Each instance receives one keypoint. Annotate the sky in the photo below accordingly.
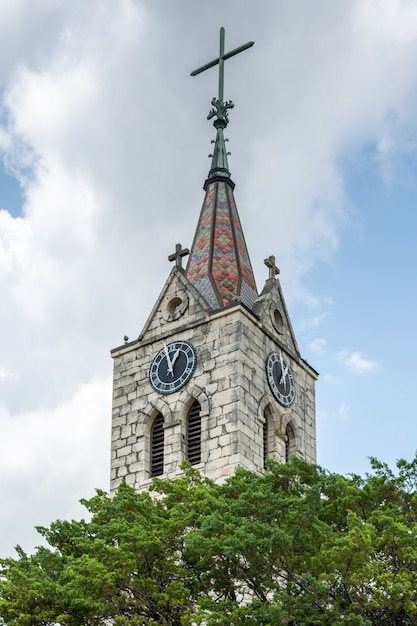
(104, 147)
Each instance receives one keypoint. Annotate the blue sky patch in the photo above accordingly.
(11, 197)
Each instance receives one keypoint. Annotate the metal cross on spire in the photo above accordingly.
(219, 104)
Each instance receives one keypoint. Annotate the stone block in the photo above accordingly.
(126, 431)
(124, 451)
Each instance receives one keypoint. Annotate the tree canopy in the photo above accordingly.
(296, 545)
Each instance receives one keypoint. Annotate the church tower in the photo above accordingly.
(215, 376)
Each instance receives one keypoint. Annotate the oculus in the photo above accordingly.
(277, 319)
(175, 306)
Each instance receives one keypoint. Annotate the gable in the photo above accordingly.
(178, 304)
(273, 313)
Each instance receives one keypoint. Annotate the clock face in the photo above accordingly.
(172, 367)
(280, 378)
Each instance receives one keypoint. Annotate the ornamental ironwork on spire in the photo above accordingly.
(219, 265)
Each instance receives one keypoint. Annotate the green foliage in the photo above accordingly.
(296, 545)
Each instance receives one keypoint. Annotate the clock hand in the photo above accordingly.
(169, 362)
(284, 376)
(284, 371)
(175, 357)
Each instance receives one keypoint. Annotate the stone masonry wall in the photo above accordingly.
(229, 382)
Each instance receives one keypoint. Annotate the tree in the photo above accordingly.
(296, 545)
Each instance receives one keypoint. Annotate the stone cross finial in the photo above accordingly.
(270, 263)
(178, 254)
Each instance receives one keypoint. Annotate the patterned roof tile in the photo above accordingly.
(219, 264)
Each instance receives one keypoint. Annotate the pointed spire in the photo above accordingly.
(219, 264)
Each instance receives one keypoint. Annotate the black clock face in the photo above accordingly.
(172, 367)
(280, 378)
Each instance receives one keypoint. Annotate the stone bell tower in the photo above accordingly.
(216, 376)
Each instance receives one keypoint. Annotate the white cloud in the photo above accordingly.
(342, 412)
(49, 459)
(337, 95)
(318, 319)
(106, 132)
(356, 362)
(318, 344)
(4, 374)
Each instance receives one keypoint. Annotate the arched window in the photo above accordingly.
(289, 442)
(265, 438)
(194, 434)
(157, 446)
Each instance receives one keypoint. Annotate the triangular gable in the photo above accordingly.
(273, 312)
(178, 303)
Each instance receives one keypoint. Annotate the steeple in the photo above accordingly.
(215, 377)
(219, 265)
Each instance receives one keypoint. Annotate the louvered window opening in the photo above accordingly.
(194, 434)
(265, 438)
(157, 446)
(289, 443)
